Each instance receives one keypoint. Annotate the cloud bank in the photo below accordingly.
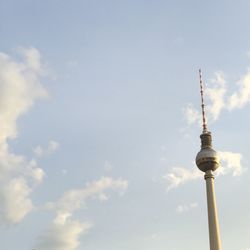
(19, 89)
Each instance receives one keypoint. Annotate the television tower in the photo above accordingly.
(207, 160)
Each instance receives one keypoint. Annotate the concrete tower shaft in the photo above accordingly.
(213, 222)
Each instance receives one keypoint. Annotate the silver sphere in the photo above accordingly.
(207, 159)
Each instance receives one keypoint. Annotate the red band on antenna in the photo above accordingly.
(204, 124)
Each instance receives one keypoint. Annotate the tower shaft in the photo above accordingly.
(213, 223)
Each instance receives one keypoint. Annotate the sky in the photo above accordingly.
(100, 123)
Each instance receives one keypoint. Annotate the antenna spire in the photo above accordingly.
(204, 123)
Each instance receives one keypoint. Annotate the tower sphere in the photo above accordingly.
(207, 159)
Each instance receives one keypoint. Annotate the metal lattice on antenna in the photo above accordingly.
(204, 123)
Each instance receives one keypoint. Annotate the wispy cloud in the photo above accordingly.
(178, 176)
(19, 89)
(231, 163)
(218, 98)
(242, 96)
(216, 95)
(44, 151)
(186, 207)
(74, 199)
(64, 232)
(192, 115)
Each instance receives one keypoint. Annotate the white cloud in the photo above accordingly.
(191, 114)
(231, 163)
(241, 97)
(218, 99)
(34, 172)
(32, 59)
(64, 233)
(18, 179)
(44, 151)
(19, 89)
(216, 95)
(186, 207)
(178, 176)
(74, 199)
(15, 200)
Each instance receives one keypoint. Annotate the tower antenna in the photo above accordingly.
(204, 123)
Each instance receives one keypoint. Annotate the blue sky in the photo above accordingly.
(100, 121)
